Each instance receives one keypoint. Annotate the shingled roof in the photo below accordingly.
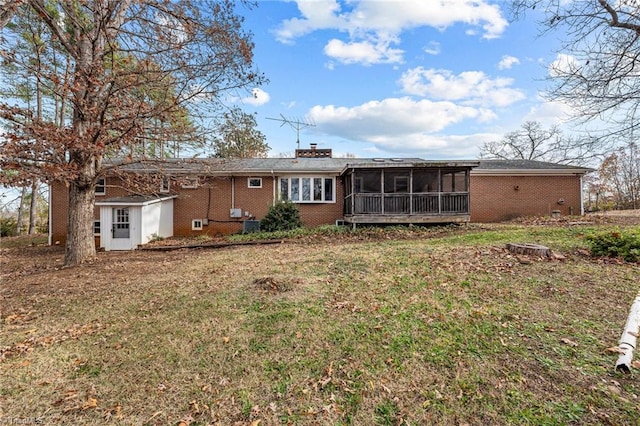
(527, 167)
(249, 166)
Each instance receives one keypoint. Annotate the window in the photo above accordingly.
(316, 189)
(96, 228)
(101, 186)
(120, 227)
(254, 182)
(165, 184)
(196, 224)
(401, 184)
(396, 181)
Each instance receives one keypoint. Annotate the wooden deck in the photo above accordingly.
(407, 208)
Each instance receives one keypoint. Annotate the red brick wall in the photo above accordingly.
(213, 200)
(495, 198)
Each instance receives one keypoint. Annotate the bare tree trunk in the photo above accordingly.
(33, 208)
(80, 245)
(20, 220)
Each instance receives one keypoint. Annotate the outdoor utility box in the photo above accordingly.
(250, 226)
(235, 212)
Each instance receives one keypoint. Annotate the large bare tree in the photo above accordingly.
(132, 62)
(535, 142)
(598, 73)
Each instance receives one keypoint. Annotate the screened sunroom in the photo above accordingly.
(406, 191)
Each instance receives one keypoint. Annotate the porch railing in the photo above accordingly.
(433, 203)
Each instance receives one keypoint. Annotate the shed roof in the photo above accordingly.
(133, 200)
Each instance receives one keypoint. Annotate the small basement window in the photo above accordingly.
(254, 182)
(101, 186)
(96, 228)
(196, 224)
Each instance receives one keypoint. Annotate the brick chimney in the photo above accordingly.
(313, 152)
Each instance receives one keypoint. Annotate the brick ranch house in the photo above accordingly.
(223, 196)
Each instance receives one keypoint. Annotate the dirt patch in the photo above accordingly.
(272, 285)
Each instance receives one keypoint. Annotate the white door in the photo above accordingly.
(120, 229)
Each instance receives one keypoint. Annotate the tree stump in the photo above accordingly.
(529, 249)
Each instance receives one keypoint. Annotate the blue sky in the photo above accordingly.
(397, 78)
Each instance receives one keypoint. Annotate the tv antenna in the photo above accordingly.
(295, 123)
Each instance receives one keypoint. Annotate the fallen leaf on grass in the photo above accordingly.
(635, 364)
(256, 422)
(90, 403)
(568, 342)
(615, 350)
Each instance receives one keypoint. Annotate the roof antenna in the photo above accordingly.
(295, 123)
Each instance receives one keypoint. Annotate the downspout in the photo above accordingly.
(233, 192)
(50, 237)
(581, 196)
(274, 182)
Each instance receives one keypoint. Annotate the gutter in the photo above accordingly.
(530, 172)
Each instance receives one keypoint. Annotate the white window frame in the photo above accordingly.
(311, 178)
(102, 184)
(98, 225)
(165, 184)
(249, 185)
(396, 184)
(196, 224)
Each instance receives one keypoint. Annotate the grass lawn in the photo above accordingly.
(440, 326)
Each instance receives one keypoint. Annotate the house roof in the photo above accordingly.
(526, 167)
(261, 166)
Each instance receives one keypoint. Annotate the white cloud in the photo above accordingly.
(399, 124)
(365, 52)
(258, 97)
(549, 113)
(433, 48)
(563, 64)
(507, 62)
(469, 87)
(379, 23)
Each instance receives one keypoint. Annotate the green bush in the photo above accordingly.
(616, 243)
(7, 226)
(281, 217)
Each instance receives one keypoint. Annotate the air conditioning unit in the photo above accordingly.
(235, 213)
(250, 226)
(341, 222)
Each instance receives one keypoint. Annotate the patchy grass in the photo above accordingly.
(442, 327)
(24, 241)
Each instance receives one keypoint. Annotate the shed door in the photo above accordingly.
(120, 227)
